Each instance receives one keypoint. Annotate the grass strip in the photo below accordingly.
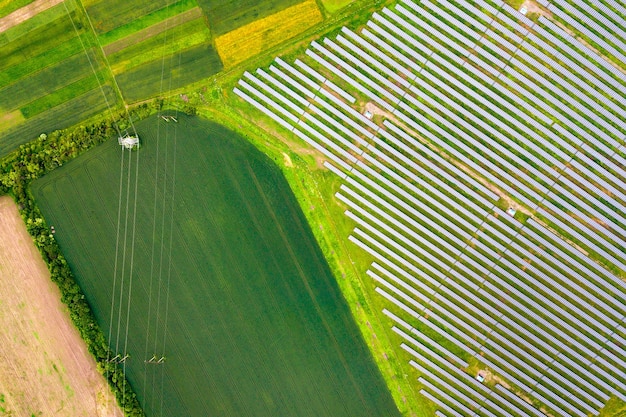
(64, 115)
(62, 95)
(154, 30)
(37, 42)
(36, 21)
(146, 21)
(111, 14)
(181, 37)
(46, 81)
(38, 63)
(9, 6)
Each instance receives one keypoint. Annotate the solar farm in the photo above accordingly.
(482, 158)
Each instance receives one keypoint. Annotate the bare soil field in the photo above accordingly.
(45, 368)
(25, 13)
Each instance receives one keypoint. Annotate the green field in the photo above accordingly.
(178, 70)
(257, 325)
(146, 21)
(159, 49)
(162, 45)
(107, 15)
(227, 15)
(65, 115)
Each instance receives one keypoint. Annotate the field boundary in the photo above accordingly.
(306, 180)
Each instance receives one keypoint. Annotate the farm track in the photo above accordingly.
(25, 13)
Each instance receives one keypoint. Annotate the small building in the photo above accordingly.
(511, 211)
(368, 114)
(128, 141)
(523, 10)
(480, 377)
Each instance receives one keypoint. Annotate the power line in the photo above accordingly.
(132, 259)
(169, 269)
(156, 182)
(108, 105)
(108, 65)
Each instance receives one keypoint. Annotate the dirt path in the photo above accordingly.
(45, 368)
(25, 13)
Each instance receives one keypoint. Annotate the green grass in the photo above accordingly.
(62, 95)
(332, 6)
(257, 324)
(188, 34)
(146, 21)
(179, 69)
(40, 19)
(153, 30)
(614, 408)
(37, 42)
(107, 15)
(46, 81)
(227, 15)
(44, 60)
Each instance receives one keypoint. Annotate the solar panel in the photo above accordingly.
(391, 68)
(393, 52)
(527, 407)
(269, 78)
(263, 109)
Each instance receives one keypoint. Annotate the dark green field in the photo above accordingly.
(178, 70)
(256, 325)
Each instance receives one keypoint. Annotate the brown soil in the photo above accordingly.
(10, 119)
(374, 109)
(25, 13)
(287, 160)
(45, 368)
(532, 7)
